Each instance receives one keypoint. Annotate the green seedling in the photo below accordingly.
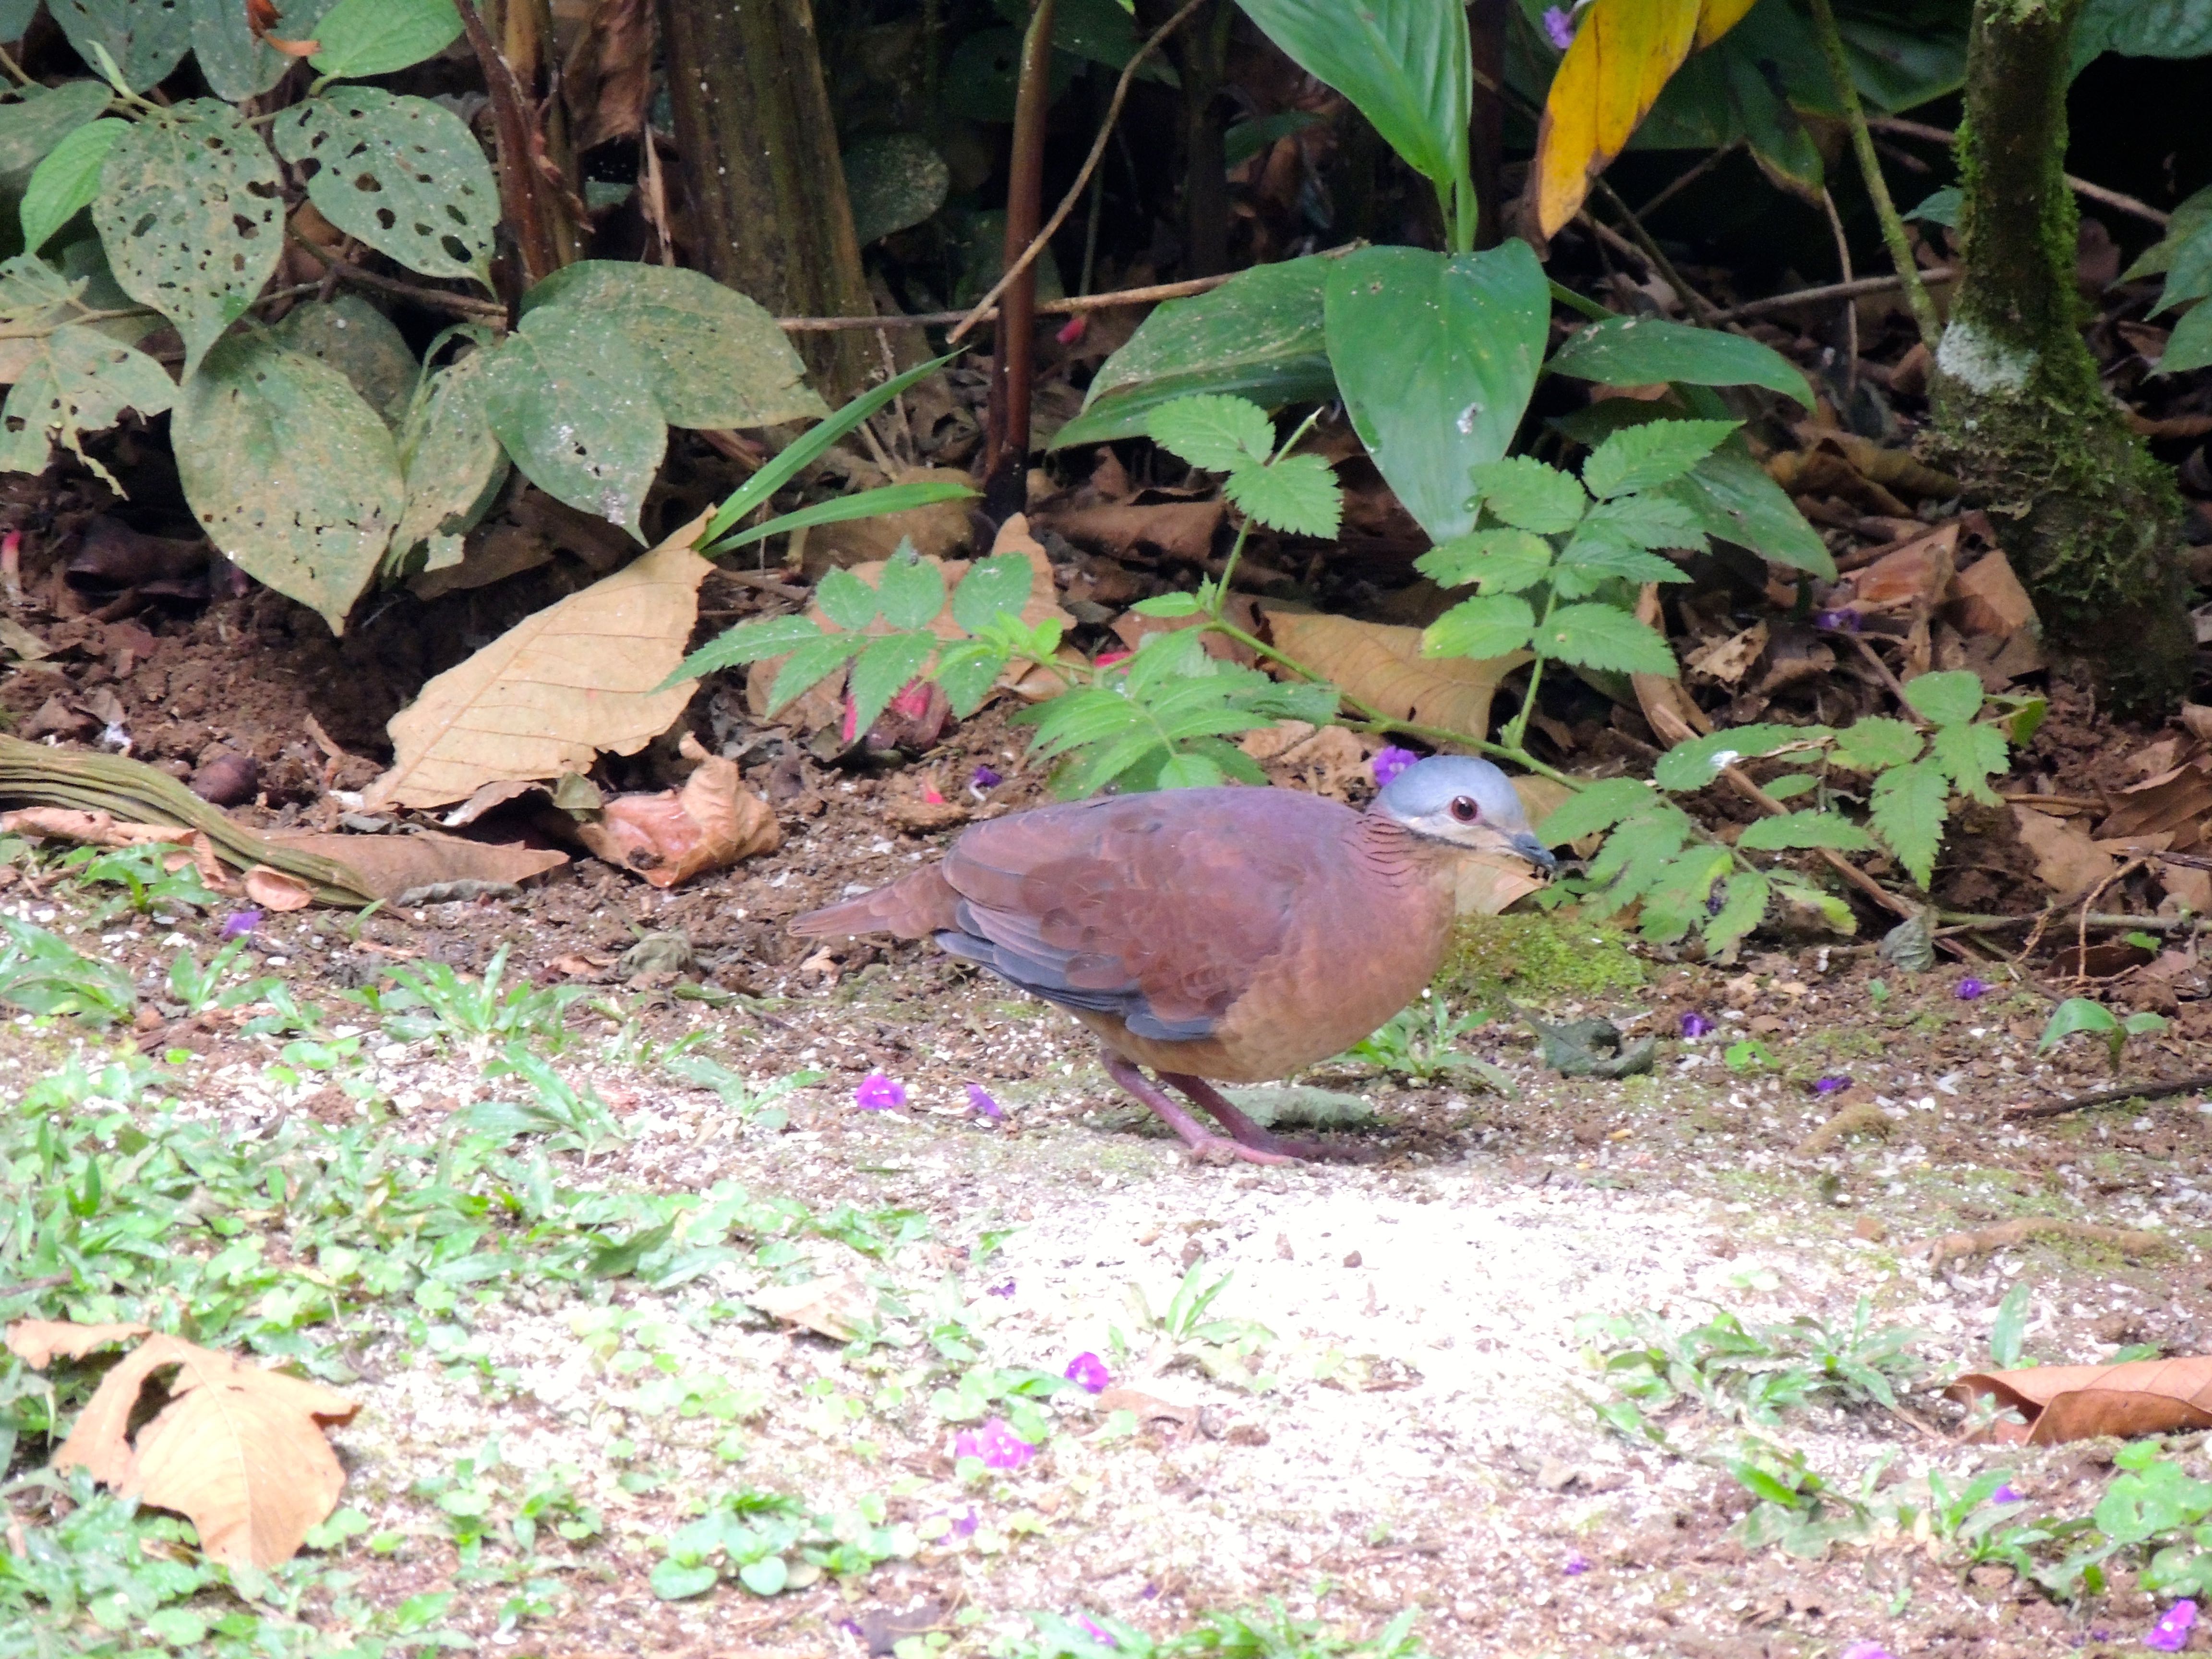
(2078, 1014)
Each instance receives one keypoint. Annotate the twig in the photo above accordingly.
(1740, 782)
(2007, 1235)
(1889, 679)
(1689, 179)
(459, 305)
(15, 69)
(1700, 306)
(2111, 198)
(1807, 296)
(519, 146)
(1038, 243)
(51, 1282)
(2167, 1091)
(1118, 297)
(1850, 312)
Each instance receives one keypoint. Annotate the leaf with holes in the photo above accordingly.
(359, 341)
(40, 119)
(237, 64)
(572, 401)
(1907, 808)
(78, 381)
(715, 358)
(67, 179)
(375, 37)
(191, 211)
(290, 473)
(452, 463)
(403, 174)
(146, 38)
(1604, 636)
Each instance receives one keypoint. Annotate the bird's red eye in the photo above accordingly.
(1464, 808)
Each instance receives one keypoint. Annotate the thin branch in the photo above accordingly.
(1119, 297)
(1851, 311)
(1807, 296)
(2180, 1086)
(1648, 250)
(1688, 179)
(1038, 243)
(2111, 198)
(460, 305)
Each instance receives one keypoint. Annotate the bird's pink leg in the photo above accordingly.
(1204, 1144)
(1248, 1132)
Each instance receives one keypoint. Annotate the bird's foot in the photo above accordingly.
(1273, 1148)
(1205, 1147)
(1220, 1149)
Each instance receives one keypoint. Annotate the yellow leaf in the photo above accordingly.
(1612, 75)
(1717, 17)
(1383, 667)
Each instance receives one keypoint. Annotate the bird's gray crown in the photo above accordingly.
(1427, 788)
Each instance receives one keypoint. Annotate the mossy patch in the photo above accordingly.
(1540, 958)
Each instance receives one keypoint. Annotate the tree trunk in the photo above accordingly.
(762, 171)
(2090, 519)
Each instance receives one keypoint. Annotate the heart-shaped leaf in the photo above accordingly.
(403, 174)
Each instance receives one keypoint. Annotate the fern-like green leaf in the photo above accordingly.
(1648, 456)
(1295, 496)
(1529, 495)
(1696, 761)
(1875, 743)
(748, 642)
(1971, 755)
(1217, 432)
(884, 670)
(1499, 559)
(1907, 808)
(1591, 560)
(811, 664)
(1603, 805)
(1604, 636)
(1488, 627)
(1798, 830)
(1681, 893)
(1949, 698)
(1743, 910)
(912, 589)
(847, 600)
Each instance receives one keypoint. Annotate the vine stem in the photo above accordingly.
(1892, 226)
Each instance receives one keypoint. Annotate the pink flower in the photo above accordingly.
(1865, 1651)
(1089, 1371)
(879, 1093)
(1112, 656)
(1072, 331)
(997, 1445)
(2171, 1634)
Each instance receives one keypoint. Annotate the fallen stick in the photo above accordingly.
(2180, 1086)
(1983, 1240)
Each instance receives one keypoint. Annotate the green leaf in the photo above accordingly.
(1603, 636)
(572, 402)
(360, 342)
(894, 182)
(809, 663)
(2073, 1015)
(1213, 432)
(1642, 350)
(997, 587)
(191, 211)
(451, 462)
(748, 642)
(1696, 761)
(679, 1580)
(1501, 561)
(1295, 495)
(1529, 495)
(1971, 755)
(1646, 456)
(39, 118)
(966, 672)
(2010, 1326)
(1950, 698)
(1652, 521)
(76, 381)
(1190, 772)
(1637, 853)
(1833, 911)
(361, 38)
(716, 358)
(1591, 560)
(912, 589)
(1405, 65)
(1941, 206)
(1260, 334)
(67, 180)
(237, 65)
(883, 500)
(1168, 605)
(146, 39)
(1600, 806)
(1483, 628)
(1679, 894)
(1875, 743)
(1907, 808)
(766, 1577)
(1435, 358)
(884, 670)
(1742, 910)
(1796, 829)
(847, 600)
(403, 174)
(2190, 345)
(290, 472)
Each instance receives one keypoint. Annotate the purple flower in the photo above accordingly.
(984, 777)
(1096, 1632)
(1837, 621)
(1575, 1566)
(1967, 989)
(2171, 1634)
(1865, 1651)
(999, 1446)
(241, 924)
(879, 1093)
(966, 1525)
(1695, 1025)
(1390, 760)
(1559, 26)
(1828, 1085)
(2006, 1494)
(1006, 1289)
(980, 1098)
(1089, 1371)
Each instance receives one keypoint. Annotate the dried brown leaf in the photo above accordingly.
(2080, 1402)
(1987, 598)
(37, 1342)
(672, 835)
(2066, 861)
(1180, 530)
(273, 889)
(1727, 660)
(837, 1307)
(1382, 666)
(88, 829)
(937, 531)
(389, 865)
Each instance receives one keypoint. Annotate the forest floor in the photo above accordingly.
(554, 1312)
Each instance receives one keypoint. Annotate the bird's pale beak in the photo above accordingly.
(1535, 851)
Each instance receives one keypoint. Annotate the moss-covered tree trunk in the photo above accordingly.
(2090, 519)
(762, 171)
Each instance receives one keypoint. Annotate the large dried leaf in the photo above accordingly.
(191, 211)
(290, 473)
(557, 688)
(2080, 1402)
(76, 381)
(389, 865)
(1383, 667)
(672, 835)
(572, 401)
(838, 1307)
(403, 174)
(239, 1451)
(39, 1342)
(2066, 860)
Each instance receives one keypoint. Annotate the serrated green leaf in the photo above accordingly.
(847, 600)
(361, 38)
(1213, 432)
(1950, 698)
(1649, 456)
(1971, 755)
(1649, 521)
(912, 589)
(1635, 853)
(1799, 830)
(1642, 350)
(403, 174)
(748, 642)
(1189, 771)
(1680, 893)
(1589, 561)
(1743, 910)
(997, 587)
(1789, 788)
(1481, 628)
(572, 403)
(812, 663)
(1876, 742)
(1528, 496)
(884, 669)
(1169, 604)
(76, 381)
(1295, 496)
(1600, 806)
(966, 672)
(1833, 910)
(191, 211)
(1696, 761)
(1907, 808)
(1603, 636)
(67, 179)
(39, 118)
(1498, 560)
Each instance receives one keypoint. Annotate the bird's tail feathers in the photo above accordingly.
(918, 903)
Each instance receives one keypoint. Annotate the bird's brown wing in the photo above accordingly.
(1159, 909)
